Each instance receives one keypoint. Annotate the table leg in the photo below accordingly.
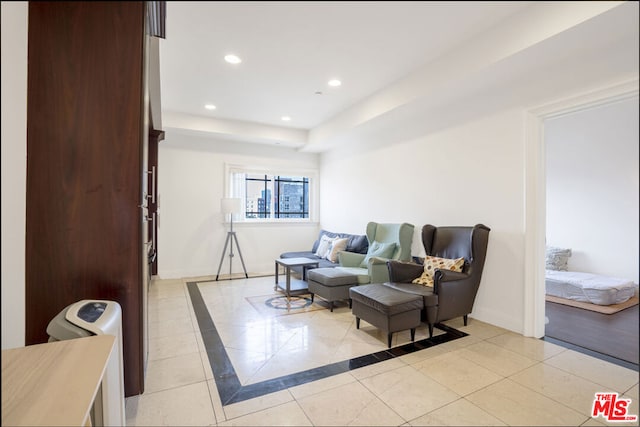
(306, 268)
(288, 273)
(275, 288)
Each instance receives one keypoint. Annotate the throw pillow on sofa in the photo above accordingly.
(324, 246)
(431, 263)
(337, 245)
(377, 249)
(357, 243)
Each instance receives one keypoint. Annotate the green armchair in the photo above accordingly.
(386, 242)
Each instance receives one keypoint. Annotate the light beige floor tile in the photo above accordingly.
(532, 348)
(163, 314)
(167, 328)
(236, 314)
(257, 404)
(174, 372)
(263, 338)
(377, 368)
(612, 377)
(517, 405)
(559, 385)
(459, 374)
(499, 360)
(206, 364)
(200, 342)
(459, 413)
(461, 343)
(409, 392)
(320, 327)
(283, 364)
(215, 401)
(476, 328)
(368, 334)
(182, 406)
(167, 290)
(171, 346)
(288, 414)
(296, 321)
(319, 386)
(341, 314)
(591, 422)
(300, 345)
(247, 363)
(350, 348)
(167, 303)
(404, 337)
(350, 404)
(230, 331)
(424, 355)
(633, 392)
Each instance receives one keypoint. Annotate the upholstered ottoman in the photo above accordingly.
(331, 284)
(386, 308)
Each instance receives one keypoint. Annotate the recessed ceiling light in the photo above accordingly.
(334, 82)
(232, 59)
(210, 107)
(286, 118)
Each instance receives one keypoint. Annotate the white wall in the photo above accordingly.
(14, 167)
(466, 174)
(192, 234)
(592, 188)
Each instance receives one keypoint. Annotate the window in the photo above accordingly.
(273, 196)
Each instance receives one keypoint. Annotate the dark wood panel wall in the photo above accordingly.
(84, 166)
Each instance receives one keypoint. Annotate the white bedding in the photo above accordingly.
(587, 287)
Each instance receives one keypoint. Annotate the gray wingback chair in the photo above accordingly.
(453, 293)
(372, 267)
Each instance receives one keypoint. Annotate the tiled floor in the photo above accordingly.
(490, 377)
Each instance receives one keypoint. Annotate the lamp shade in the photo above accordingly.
(231, 205)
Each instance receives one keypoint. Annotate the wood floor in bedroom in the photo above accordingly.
(614, 335)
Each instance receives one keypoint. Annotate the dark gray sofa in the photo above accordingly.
(357, 243)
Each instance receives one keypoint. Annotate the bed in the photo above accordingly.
(587, 287)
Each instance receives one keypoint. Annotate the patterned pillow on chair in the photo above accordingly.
(431, 263)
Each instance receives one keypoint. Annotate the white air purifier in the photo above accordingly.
(97, 317)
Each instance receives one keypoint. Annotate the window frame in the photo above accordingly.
(311, 174)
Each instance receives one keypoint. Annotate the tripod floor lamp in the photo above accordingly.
(231, 206)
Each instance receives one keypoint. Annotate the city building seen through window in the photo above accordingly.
(276, 196)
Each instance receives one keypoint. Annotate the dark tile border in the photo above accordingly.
(228, 384)
(597, 355)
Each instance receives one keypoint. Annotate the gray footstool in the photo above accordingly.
(386, 308)
(331, 284)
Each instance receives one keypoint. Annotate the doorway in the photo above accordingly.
(591, 173)
(535, 193)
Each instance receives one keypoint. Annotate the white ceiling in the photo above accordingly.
(291, 49)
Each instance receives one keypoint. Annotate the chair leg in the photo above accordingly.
(430, 330)
(350, 303)
(312, 298)
(465, 319)
(413, 334)
(357, 323)
(331, 305)
(389, 335)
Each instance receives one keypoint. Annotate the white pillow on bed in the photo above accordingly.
(557, 258)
